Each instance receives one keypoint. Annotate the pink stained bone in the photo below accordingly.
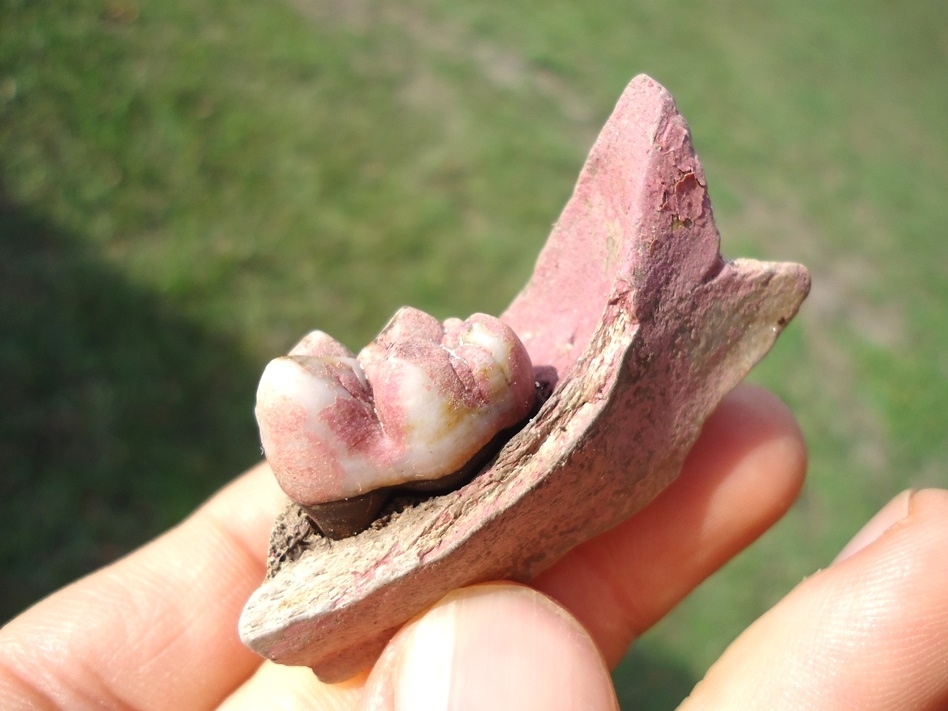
(417, 403)
(639, 227)
(646, 327)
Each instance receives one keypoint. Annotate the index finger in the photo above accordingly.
(156, 629)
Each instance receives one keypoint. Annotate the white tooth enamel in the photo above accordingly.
(480, 336)
(437, 432)
(320, 343)
(500, 374)
(301, 403)
(311, 387)
(424, 422)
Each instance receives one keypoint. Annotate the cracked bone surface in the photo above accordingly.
(645, 327)
(414, 405)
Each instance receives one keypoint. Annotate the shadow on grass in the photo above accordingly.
(648, 681)
(118, 415)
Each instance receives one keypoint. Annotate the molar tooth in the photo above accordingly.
(416, 404)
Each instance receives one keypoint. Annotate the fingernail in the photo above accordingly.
(893, 512)
(497, 646)
(424, 678)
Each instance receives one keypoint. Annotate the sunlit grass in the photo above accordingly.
(188, 187)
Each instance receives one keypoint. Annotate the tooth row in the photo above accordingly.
(414, 405)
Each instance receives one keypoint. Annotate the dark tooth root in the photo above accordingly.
(545, 380)
(341, 519)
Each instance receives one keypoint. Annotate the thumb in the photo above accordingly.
(869, 632)
(494, 646)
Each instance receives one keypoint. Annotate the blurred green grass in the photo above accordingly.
(185, 188)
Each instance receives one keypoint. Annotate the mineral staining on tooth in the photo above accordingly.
(414, 405)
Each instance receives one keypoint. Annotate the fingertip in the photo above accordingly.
(488, 647)
(753, 414)
(274, 686)
(752, 432)
(893, 512)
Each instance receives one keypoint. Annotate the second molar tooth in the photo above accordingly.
(416, 404)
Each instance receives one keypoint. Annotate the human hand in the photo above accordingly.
(158, 629)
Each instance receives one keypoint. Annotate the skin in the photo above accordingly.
(157, 629)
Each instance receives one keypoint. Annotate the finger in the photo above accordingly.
(494, 646)
(274, 686)
(157, 629)
(869, 632)
(742, 475)
(891, 513)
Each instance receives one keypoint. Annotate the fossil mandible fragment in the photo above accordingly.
(641, 325)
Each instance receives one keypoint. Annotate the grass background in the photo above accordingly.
(187, 187)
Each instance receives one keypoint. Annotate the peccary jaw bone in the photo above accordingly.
(646, 328)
